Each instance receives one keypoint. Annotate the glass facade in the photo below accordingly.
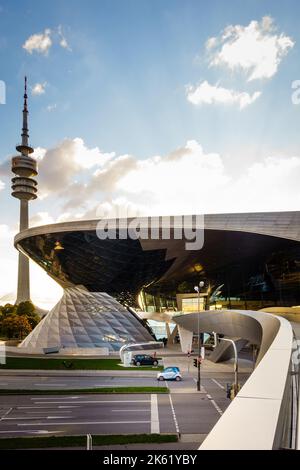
(255, 270)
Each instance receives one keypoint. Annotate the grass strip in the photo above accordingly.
(48, 363)
(99, 390)
(80, 441)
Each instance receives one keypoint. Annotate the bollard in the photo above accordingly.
(89, 442)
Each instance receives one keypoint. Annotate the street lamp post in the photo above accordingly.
(197, 289)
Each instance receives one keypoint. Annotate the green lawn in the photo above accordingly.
(86, 391)
(80, 441)
(48, 363)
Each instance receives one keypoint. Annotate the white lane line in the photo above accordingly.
(174, 414)
(67, 406)
(54, 398)
(218, 383)
(154, 415)
(135, 409)
(81, 423)
(214, 404)
(50, 385)
(36, 417)
(52, 409)
(95, 401)
(40, 431)
(45, 407)
(5, 414)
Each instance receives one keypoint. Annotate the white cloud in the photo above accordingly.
(211, 43)
(206, 93)
(2, 185)
(41, 218)
(39, 88)
(257, 48)
(51, 107)
(87, 158)
(193, 181)
(42, 42)
(62, 40)
(58, 166)
(184, 181)
(39, 43)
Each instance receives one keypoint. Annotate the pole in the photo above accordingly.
(199, 346)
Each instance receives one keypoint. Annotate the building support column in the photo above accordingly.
(186, 339)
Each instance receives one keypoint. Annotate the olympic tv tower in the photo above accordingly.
(24, 187)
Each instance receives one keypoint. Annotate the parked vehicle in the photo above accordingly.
(144, 360)
(170, 373)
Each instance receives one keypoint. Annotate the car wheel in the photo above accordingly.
(161, 378)
(178, 379)
(155, 363)
(138, 363)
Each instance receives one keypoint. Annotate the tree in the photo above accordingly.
(28, 310)
(16, 326)
(8, 309)
(25, 308)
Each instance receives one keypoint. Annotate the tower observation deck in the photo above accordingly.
(24, 188)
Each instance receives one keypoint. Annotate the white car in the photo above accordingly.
(170, 373)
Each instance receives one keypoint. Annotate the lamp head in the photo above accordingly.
(196, 288)
(201, 284)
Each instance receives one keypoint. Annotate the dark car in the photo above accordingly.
(144, 360)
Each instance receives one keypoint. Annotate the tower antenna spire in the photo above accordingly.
(25, 132)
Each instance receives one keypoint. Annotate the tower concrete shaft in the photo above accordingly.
(24, 188)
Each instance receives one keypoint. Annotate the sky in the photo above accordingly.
(149, 106)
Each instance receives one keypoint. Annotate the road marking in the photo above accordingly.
(174, 414)
(40, 431)
(45, 407)
(54, 409)
(95, 401)
(50, 385)
(81, 423)
(54, 398)
(37, 417)
(67, 406)
(214, 404)
(5, 414)
(218, 383)
(135, 409)
(154, 415)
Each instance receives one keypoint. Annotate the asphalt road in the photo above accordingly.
(44, 382)
(183, 410)
(217, 383)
